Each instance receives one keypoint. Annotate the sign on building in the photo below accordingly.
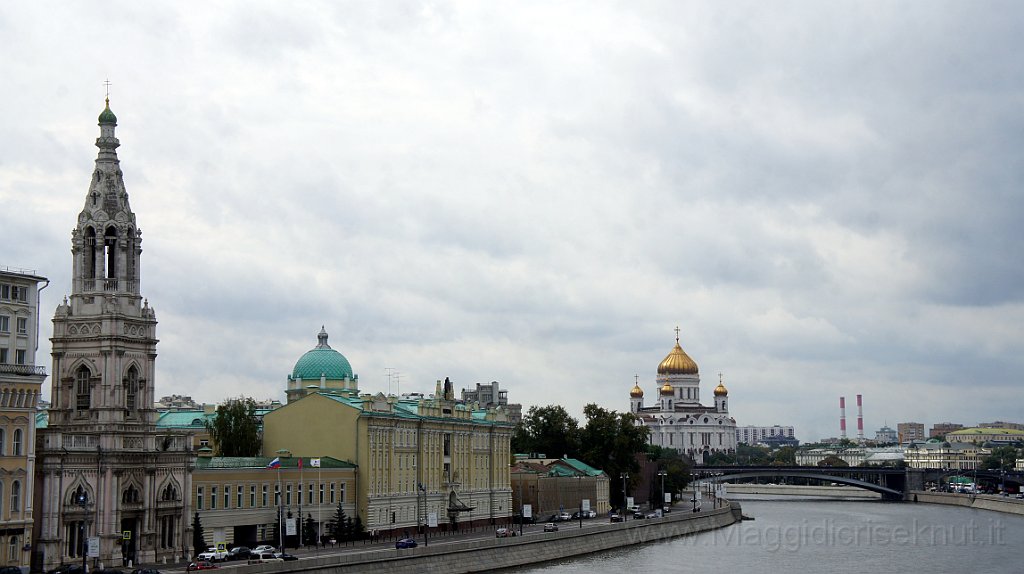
(585, 505)
(527, 511)
(432, 520)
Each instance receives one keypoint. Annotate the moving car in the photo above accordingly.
(263, 548)
(405, 543)
(504, 532)
(550, 527)
(615, 518)
(270, 556)
(200, 565)
(564, 516)
(285, 557)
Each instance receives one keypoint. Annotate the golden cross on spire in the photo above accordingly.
(636, 380)
(719, 378)
(106, 83)
(677, 333)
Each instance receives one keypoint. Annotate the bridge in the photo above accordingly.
(891, 483)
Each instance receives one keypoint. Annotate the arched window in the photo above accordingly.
(82, 377)
(169, 493)
(130, 494)
(16, 443)
(131, 387)
(15, 496)
(3, 442)
(13, 552)
(79, 496)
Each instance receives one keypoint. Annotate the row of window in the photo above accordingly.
(20, 356)
(10, 292)
(22, 324)
(83, 376)
(327, 493)
(17, 438)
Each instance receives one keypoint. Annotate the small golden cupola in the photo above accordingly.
(636, 392)
(677, 362)
(667, 389)
(721, 391)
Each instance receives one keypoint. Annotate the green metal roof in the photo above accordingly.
(107, 116)
(235, 462)
(322, 361)
(582, 467)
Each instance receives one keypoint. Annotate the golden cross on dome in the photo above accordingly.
(719, 378)
(677, 333)
(106, 83)
(636, 380)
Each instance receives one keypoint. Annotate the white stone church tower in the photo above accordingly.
(104, 470)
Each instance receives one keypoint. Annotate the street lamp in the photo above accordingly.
(579, 493)
(426, 525)
(662, 474)
(82, 500)
(625, 478)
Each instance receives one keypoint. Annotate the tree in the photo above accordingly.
(676, 468)
(235, 429)
(547, 430)
(610, 441)
(785, 456)
(309, 533)
(198, 542)
(336, 526)
(833, 460)
(1001, 458)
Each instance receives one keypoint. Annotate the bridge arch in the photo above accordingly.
(885, 491)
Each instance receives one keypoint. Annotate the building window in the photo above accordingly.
(288, 494)
(82, 388)
(23, 325)
(19, 293)
(213, 498)
(252, 496)
(199, 498)
(16, 442)
(264, 496)
(321, 493)
(5, 291)
(332, 493)
(131, 387)
(20, 357)
(15, 496)
(227, 497)
(13, 552)
(309, 498)
(238, 496)
(5, 324)
(3, 355)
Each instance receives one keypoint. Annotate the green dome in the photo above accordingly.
(322, 361)
(107, 116)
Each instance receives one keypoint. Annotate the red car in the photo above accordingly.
(201, 565)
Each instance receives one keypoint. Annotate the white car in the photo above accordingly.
(213, 555)
(564, 516)
(263, 548)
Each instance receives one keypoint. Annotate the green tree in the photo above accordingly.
(235, 429)
(785, 456)
(336, 526)
(676, 469)
(198, 542)
(548, 430)
(309, 533)
(610, 441)
(1001, 458)
(833, 460)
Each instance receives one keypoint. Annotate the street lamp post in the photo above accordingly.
(82, 500)
(625, 479)
(662, 474)
(579, 493)
(426, 523)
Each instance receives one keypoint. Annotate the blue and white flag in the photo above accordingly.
(276, 463)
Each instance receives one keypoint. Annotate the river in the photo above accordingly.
(838, 537)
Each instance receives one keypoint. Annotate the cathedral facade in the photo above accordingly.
(677, 419)
(110, 486)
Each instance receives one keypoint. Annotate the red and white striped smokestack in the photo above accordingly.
(842, 417)
(860, 420)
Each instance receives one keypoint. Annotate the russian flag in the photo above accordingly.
(276, 463)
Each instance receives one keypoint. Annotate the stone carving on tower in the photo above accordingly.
(106, 468)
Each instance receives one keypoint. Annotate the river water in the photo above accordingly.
(838, 537)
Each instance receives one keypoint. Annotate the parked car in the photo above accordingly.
(504, 532)
(286, 557)
(74, 568)
(653, 515)
(552, 518)
(550, 527)
(263, 548)
(200, 565)
(564, 516)
(519, 519)
(269, 556)
(107, 571)
(212, 554)
(10, 570)
(145, 571)
(405, 543)
(615, 517)
(239, 553)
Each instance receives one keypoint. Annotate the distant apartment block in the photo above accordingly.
(940, 430)
(910, 432)
(886, 435)
(489, 395)
(755, 434)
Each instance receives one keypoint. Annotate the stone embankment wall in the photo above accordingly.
(980, 501)
(796, 490)
(490, 554)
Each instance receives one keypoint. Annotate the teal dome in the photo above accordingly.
(107, 116)
(322, 361)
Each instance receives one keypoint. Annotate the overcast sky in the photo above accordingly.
(824, 197)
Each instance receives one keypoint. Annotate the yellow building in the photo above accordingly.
(240, 500)
(415, 456)
(20, 384)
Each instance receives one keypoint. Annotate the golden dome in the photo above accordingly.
(677, 362)
(667, 389)
(721, 391)
(636, 392)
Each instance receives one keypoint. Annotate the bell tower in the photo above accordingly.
(108, 473)
(104, 334)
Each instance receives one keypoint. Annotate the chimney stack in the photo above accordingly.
(842, 417)
(860, 421)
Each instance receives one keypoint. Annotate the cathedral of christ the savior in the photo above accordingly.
(110, 485)
(678, 420)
